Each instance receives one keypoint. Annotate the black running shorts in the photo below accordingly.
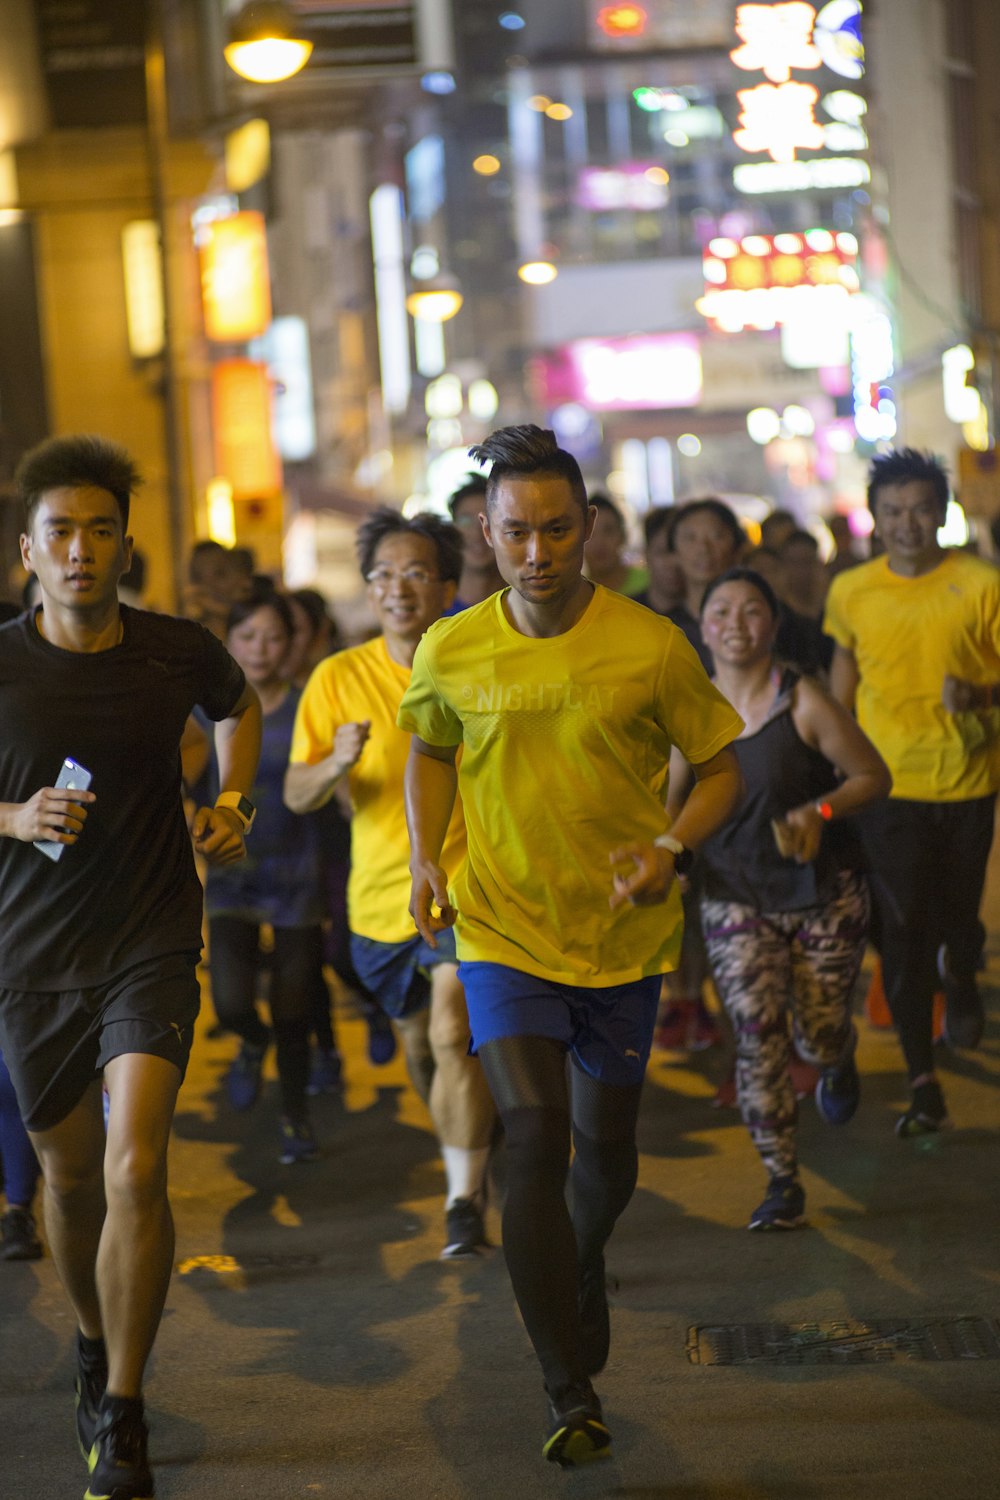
(55, 1042)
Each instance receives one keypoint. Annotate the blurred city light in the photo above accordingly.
(539, 102)
(689, 445)
(559, 112)
(622, 20)
(763, 424)
(537, 272)
(437, 81)
(511, 21)
(436, 300)
(486, 165)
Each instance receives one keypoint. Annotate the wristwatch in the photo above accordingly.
(683, 857)
(240, 805)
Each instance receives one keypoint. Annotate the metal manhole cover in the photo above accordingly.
(846, 1341)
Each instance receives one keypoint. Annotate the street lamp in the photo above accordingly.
(263, 46)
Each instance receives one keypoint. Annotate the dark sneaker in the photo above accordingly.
(325, 1070)
(381, 1037)
(595, 1320)
(783, 1208)
(243, 1078)
(963, 1008)
(464, 1231)
(298, 1143)
(91, 1383)
(18, 1239)
(577, 1434)
(119, 1464)
(838, 1092)
(927, 1112)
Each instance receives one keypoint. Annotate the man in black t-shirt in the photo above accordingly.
(99, 945)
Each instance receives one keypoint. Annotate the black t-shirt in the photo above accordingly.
(127, 890)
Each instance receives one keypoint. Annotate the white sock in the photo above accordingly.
(465, 1171)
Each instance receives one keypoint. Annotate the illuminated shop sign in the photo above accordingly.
(778, 116)
(763, 281)
(651, 372)
(235, 285)
(245, 454)
(635, 185)
(823, 172)
(776, 39)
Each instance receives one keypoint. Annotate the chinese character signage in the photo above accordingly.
(778, 115)
(764, 280)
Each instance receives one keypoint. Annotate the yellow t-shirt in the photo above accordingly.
(365, 683)
(906, 634)
(565, 747)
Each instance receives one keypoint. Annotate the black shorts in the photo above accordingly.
(55, 1042)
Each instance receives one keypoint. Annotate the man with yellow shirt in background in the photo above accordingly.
(565, 699)
(346, 727)
(917, 656)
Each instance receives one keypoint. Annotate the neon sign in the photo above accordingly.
(764, 281)
(776, 39)
(778, 117)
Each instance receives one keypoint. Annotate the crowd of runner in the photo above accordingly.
(559, 804)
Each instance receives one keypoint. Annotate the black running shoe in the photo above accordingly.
(298, 1142)
(838, 1091)
(464, 1231)
(577, 1434)
(18, 1237)
(243, 1080)
(595, 1321)
(927, 1113)
(381, 1037)
(91, 1383)
(119, 1464)
(782, 1208)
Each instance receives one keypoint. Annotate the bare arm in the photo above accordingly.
(308, 787)
(717, 790)
(194, 752)
(679, 784)
(57, 815)
(218, 832)
(825, 725)
(429, 792)
(844, 677)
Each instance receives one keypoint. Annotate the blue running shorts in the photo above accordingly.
(397, 973)
(609, 1030)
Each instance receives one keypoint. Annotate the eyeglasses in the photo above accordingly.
(381, 578)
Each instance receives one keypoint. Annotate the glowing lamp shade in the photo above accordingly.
(434, 302)
(538, 272)
(263, 46)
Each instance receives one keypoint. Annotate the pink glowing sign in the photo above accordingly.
(650, 372)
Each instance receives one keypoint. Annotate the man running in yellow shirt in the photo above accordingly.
(346, 728)
(565, 699)
(917, 635)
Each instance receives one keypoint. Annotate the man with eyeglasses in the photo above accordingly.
(346, 729)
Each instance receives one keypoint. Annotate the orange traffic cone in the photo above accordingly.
(877, 1011)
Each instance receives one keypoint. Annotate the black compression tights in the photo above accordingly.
(544, 1245)
(296, 960)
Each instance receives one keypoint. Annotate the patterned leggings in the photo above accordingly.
(770, 967)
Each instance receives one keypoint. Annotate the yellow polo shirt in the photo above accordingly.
(565, 749)
(365, 683)
(906, 634)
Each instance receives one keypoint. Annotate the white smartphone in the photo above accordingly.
(72, 776)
